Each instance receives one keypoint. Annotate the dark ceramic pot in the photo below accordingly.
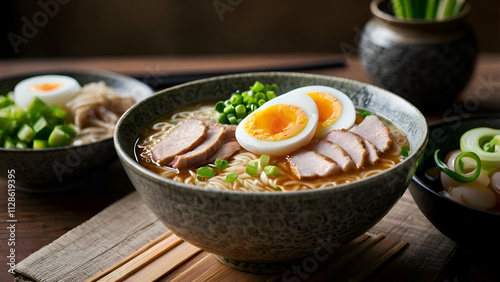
(426, 62)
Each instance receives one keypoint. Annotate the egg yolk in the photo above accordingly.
(329, 108)
(44, 87)
(278, 122)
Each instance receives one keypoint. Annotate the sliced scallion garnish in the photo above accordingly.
(405, 151)
(459, 173)
(221, 164)
(264, 160)
(252, 168)
(204, 172)
(271, 170)
(231, 177)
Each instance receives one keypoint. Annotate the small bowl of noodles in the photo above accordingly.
(265, 169)
(56, 128)
(457, 185)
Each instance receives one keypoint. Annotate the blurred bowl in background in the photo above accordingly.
(50, 169)
(475, 230)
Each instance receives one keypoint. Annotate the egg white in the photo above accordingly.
(282, 147)
(24, 95)
(348, 115)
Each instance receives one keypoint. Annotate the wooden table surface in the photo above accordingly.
(43, 218)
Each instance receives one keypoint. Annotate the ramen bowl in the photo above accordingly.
(264, 232)
(53, 169)
(473, 229)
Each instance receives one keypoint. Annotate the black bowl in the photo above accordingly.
(475, 230)
(52, 169)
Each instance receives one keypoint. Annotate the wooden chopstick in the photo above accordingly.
(386, 255)
(165, 263)
(162, 257)
(132, 256)
(142, 259)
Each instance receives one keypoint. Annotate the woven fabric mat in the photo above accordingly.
(124, 227)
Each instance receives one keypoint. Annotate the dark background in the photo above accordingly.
(76, 28)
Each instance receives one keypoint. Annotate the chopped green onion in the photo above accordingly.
(405, 151)
(223, 119)
(229, 109)
(271, 170)
(21, 145)
(37, 107)
(5, 101)
(231, 177)
(253, 107)
(236, 99)
(264, 160)
(221, 164)
(9, 144)
(58, 138)
(257, 87)
(240, 105)
(260, 96)
(204, 172)
(365, 114)
(458, 174)
(277, 188)
(58, 113)
(69, 129)
(42, 128)
(231, 118)
(40, 144)
(26, 133)
(270, 95)
(219, 107)
(252, 168)
(241, 111)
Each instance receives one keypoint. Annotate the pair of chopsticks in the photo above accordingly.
(171, 257)
(166, 80)
(146, 256)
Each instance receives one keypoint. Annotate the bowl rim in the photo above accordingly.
(69, 72)
(421, 184)
(131, 163)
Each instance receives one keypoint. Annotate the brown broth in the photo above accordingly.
(393, 155)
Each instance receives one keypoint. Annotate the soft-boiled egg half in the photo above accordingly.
(280, 126)
(336, 110)
(51, 89)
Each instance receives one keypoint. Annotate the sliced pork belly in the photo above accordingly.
(373, 153)
(334, 152)
(351, 143)
(307, 164)
(213, 142)
(375, 131)
(227, 150)
(180, 140)
(218, 144)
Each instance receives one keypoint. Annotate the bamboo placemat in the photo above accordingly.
(171, 259)
(119, 231)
